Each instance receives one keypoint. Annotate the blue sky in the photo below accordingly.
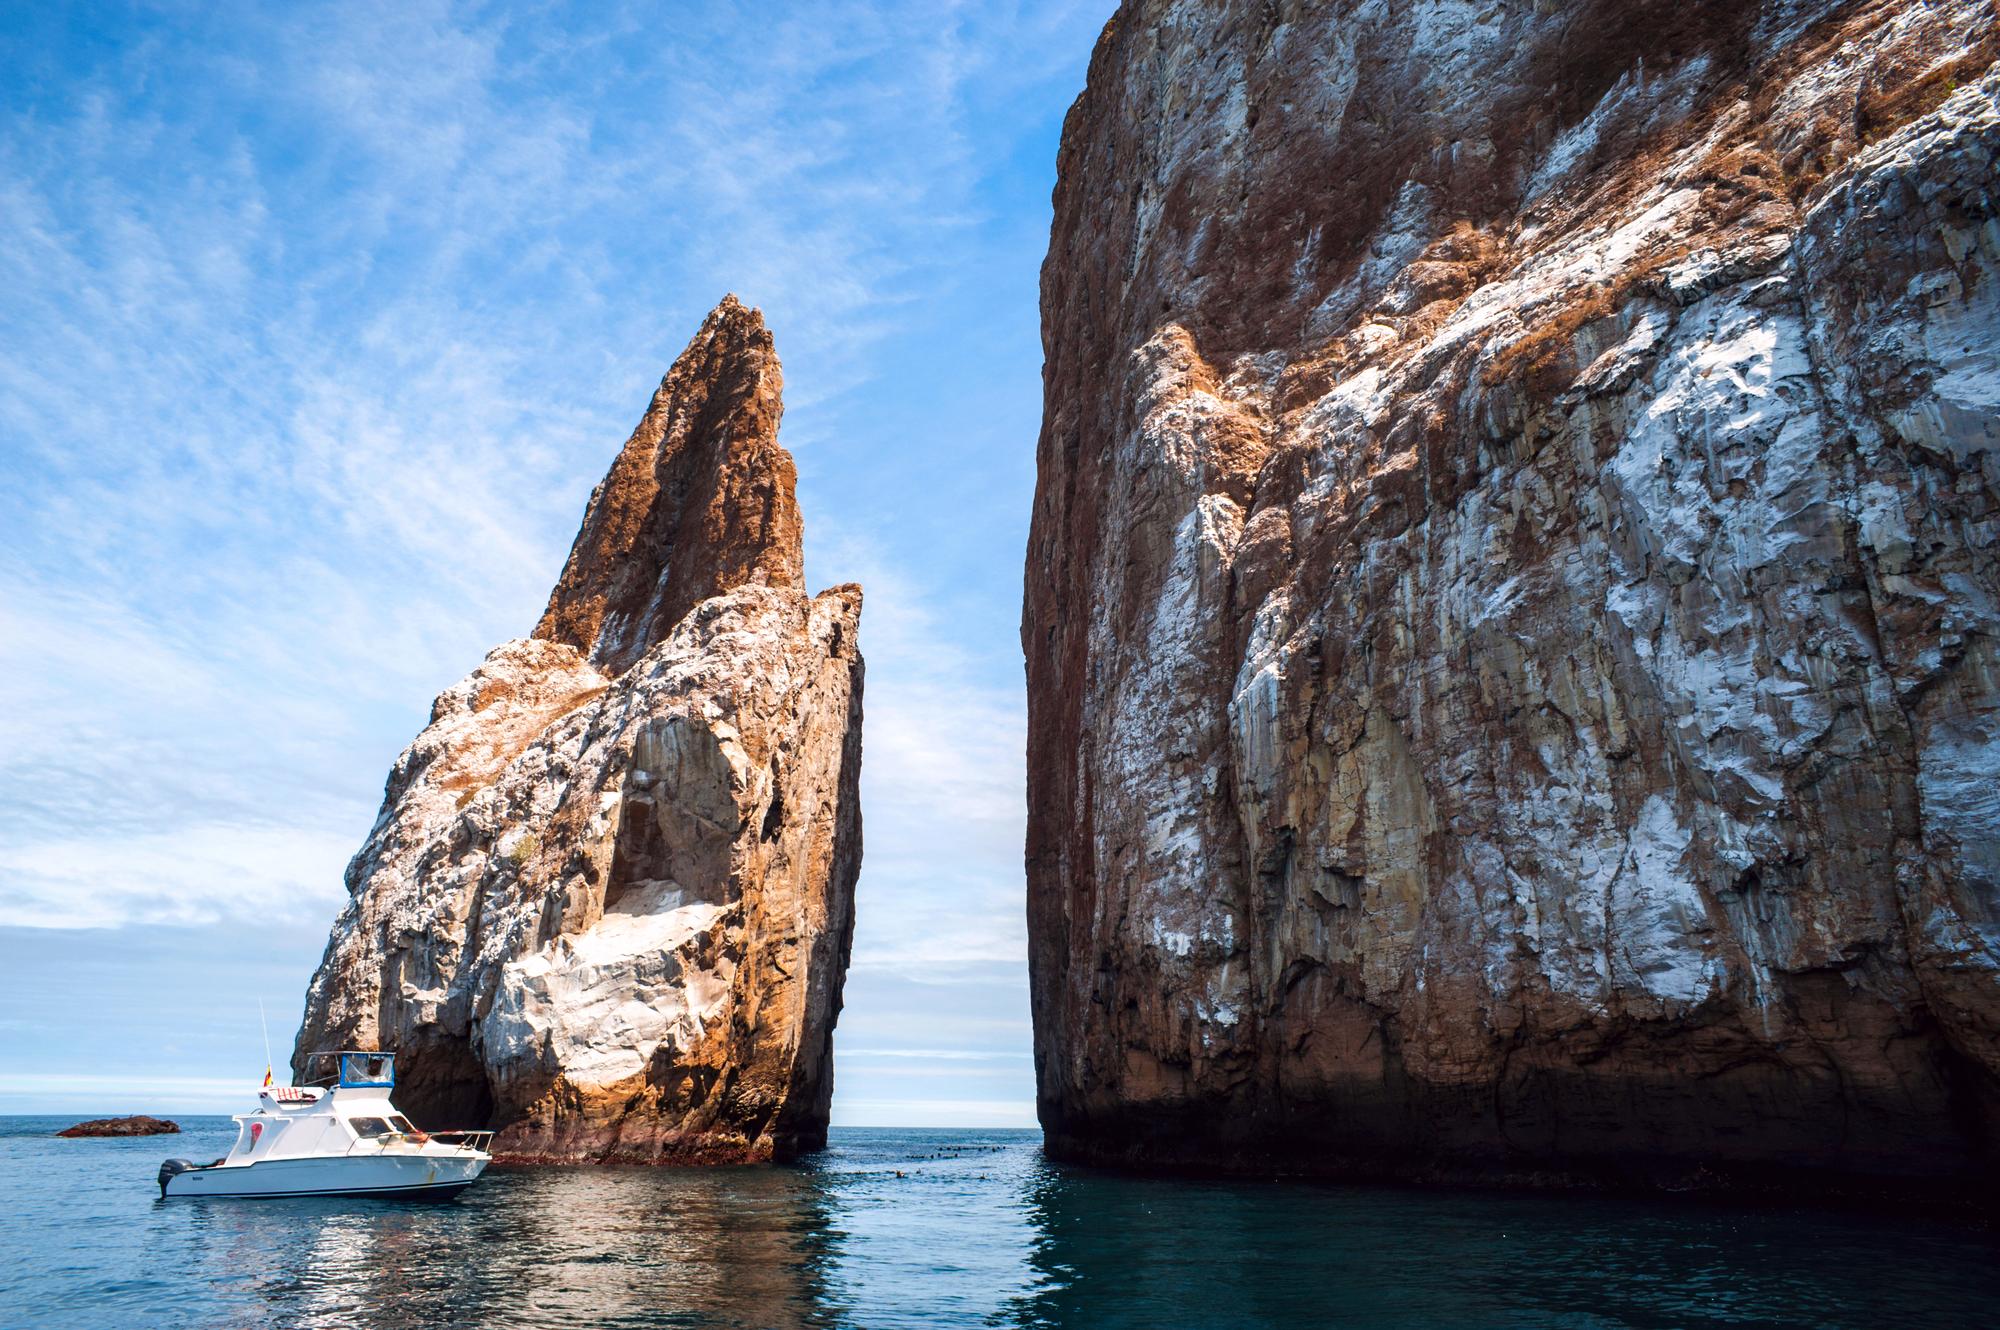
(317, 324)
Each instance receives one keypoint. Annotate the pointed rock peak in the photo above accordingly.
(700, 501)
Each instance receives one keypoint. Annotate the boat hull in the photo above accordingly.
(405, 1177)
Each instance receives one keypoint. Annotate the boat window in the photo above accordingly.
(402, 1124)
(367, 1127)
(367, 1069)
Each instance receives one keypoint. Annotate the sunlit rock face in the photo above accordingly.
(700, 500)
(1511, 603)
(608, 903)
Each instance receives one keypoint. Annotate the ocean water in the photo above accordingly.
(936, 1228)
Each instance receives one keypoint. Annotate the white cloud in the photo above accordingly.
(943, 784)
(135, 1092)
(319, 324)
(284, 447)
(936, 1054)
(933, 1113)
(202, 873)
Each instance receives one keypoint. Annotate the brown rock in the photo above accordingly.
(699, 501)
(138, 1125)
(608, 904)
(1510, 617)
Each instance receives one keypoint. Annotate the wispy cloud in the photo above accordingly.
(124, 1092)
(320, 322)
(197, 873)
(936, 1054)
(942, 786)
(938, 1112)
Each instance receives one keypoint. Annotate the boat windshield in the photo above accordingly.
(367, 1128)
(402, 1124)
(367, 1069)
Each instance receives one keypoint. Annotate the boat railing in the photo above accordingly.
(462, 1140)
(470, 1140)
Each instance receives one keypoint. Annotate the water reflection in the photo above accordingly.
(895, 1228)
(544, 1247)
(1113, 1251)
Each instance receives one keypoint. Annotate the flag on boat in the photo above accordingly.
(267, 1075)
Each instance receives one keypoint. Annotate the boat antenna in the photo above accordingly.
(266, 1027)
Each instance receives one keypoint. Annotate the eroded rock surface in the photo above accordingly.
(1511, 603)
(608, 903)
(700, 500)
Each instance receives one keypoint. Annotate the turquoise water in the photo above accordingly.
(978, 1231)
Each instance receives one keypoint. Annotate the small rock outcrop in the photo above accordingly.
(608, 903)
(137, 1125)
(1512, 607)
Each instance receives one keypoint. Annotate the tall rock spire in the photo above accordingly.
(700, 501)
(607, 906)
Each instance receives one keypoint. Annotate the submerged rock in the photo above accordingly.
(608, 903)
(137, 1125)
(1512, 610)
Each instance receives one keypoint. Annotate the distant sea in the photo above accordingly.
(936, 1228)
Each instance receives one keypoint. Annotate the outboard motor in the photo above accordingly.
(171, 1167)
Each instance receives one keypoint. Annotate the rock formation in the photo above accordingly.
(608, 902)
(1512, 611)
(699, 501)
(137, 1125)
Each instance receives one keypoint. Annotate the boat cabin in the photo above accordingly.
(344, 1110)
(336, 1134)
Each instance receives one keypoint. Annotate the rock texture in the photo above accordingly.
(699, 501)
(608, 903)
(138, 1125)
(1512, 611)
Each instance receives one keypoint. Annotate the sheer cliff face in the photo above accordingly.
(1512, 600)
(608, 903)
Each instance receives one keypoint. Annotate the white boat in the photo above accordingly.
(341, 1139)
